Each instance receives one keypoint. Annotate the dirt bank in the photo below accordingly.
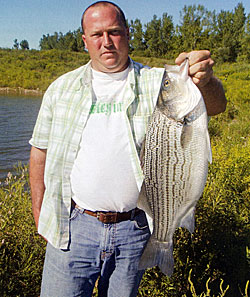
(21, 91)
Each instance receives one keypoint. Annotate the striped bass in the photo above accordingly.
(174, 160)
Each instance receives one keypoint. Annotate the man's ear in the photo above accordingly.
(84, 40)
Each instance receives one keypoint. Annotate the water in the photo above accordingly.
(17, 119)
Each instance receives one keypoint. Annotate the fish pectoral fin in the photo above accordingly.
(186, 135)
(158, 254)
(142, 154)
(187, 221)
(209, 153)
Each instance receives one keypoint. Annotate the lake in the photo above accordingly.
(17, 119)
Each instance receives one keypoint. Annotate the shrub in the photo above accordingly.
(21, 248)
(218, 249)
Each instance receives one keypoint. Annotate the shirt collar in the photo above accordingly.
(86, 78)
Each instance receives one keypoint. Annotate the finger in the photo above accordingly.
(203, 66)
(198, 56)
(193, 56)
(202, 78)
(181, 58)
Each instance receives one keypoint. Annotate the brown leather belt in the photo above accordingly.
(111, 217)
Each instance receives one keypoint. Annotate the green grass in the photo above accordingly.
(21, 248)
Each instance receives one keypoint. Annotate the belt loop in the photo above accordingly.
(133, 213)
(98, 215)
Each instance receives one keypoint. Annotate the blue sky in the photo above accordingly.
(30, 19)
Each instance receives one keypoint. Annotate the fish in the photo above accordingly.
(174, 159)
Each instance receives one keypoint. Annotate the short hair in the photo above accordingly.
(105, 3)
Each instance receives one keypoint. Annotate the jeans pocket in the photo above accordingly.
(140, 221)
(74, 213)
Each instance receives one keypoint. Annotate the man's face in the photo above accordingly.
(106, 39)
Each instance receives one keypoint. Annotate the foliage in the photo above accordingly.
(245, 42)
(137, 40)
(229, 33)
(219, 249)
(24, 44)
(70, 41)
(194, 29)
(36, 69)
(226, 34)
(21, 249)
(16, 44)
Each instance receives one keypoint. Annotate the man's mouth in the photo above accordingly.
(108, 53)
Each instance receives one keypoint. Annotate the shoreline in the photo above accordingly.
(21, 91)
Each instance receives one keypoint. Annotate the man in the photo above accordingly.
(85, 172)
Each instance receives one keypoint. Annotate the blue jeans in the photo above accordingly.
(108, 251)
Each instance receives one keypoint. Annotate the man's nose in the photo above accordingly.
(106, 39)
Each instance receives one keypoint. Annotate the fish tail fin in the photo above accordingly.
(158, 254)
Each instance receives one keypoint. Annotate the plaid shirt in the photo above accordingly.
(63, 114)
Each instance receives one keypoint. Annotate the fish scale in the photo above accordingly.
(174, 159)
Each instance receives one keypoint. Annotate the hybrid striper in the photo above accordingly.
(175, 164)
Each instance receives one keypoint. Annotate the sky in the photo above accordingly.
(31, 19)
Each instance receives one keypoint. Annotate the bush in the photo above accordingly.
(218, 249)
(21, 248)
(36, 69)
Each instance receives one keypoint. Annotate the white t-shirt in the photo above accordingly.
(102, 177)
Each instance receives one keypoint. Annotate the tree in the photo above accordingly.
(166, 34)
(137, 42)
(79, 41)
(24, 44)
(16, 44)
(245, 41)
(70, 41)
(48, 42)
(230, 31)
(239, 20)
(153, 37)
(194, 27)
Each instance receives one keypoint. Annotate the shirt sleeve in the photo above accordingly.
(41, 132)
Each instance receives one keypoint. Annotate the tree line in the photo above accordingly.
(226, 34)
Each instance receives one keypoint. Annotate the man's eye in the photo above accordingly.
(115, 32)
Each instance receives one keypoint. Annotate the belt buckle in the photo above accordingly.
(106, 218)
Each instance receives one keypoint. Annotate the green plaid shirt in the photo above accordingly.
(64, 112)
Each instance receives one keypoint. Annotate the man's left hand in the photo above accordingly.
(200, 66)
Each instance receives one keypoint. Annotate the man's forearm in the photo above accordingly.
(214, 96)
(37, 165)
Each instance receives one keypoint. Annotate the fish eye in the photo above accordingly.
(166, 83)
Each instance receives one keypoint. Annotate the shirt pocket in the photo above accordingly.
(140, 127)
